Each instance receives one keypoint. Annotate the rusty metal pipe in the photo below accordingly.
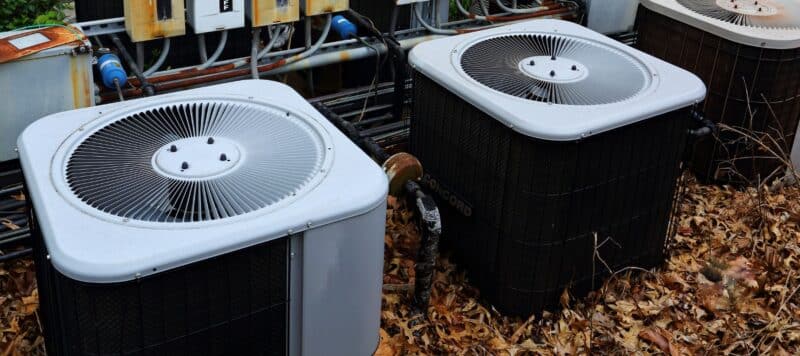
(281, 66)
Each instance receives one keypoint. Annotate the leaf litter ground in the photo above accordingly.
(729, 285)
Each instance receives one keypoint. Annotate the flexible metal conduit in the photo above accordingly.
(161, 58)
(268, 69)
(517, 11)
(223, 40)
(194, 76)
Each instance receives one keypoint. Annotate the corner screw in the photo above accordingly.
(533, 63)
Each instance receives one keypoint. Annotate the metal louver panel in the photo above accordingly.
(195, 161)
(555, 69)
(768, 14)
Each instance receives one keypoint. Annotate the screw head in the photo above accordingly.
(552, 73)
(173, 148)
(574, 67)
(210, 140)
(532, 62)
(223, 157)
(185, 165)
(553, 57)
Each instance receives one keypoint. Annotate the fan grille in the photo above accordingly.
(278, 156)
(767, 14)
(555, 69)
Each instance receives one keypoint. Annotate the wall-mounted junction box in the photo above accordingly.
(318, 7)
(150, 19)
(215, 15)
(269, 12)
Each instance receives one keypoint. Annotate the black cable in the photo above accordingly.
(146, 86)
(393, 21)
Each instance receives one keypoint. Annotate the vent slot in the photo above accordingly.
(768, 14)
(195, 161)
(555, 69)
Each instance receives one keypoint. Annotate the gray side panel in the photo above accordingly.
(342, 282)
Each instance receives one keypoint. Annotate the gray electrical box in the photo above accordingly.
(34, 85)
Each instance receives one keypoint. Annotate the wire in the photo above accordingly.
(430, 28)
(518, 11)
(373, 85)
(161, 59)
(78, 34)
(119, 90)
(274, 34)
(220, 47)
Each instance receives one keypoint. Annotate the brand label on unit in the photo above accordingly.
(29, 41)
(448, 196)
(225, 5)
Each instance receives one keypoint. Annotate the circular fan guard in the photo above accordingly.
(278, 156)
(773, 14)
(508, 64)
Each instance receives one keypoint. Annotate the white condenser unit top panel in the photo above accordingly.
(764, 23)
(554, 79)
(134, 188)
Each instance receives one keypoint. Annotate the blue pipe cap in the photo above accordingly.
(110, 69)
(344, 27)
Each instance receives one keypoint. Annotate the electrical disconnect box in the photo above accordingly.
(215, 15)
(150, 19)
(319, 7)
(269, 12)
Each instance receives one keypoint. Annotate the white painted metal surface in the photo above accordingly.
(665, 89)
(99, 247)
(776, 26)
(215, 15)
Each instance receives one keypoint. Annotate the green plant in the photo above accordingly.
(19, 13)
(454, 13)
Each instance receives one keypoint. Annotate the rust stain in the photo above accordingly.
(314, 7)
(401, 168)
(81, 84)
(56, 36)
(268, 12)
(142, 23)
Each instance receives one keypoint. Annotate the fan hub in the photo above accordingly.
(749, 7)
(197, 158)
(554, 69)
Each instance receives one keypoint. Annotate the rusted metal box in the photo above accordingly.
(41, 83)
(318, 7)
(269, 12)
(150, 19)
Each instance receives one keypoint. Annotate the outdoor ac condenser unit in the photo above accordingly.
(228, 220)
(747, 54)
(539, 137)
